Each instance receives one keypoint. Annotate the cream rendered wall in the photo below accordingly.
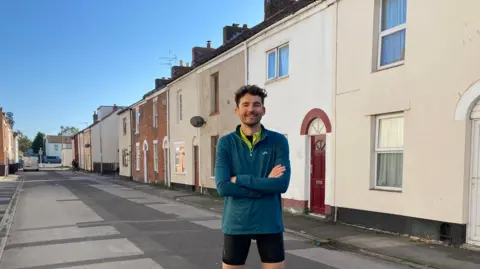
(441, 62)
(81, 149)
(125, 142)
(231, 78)
(308, 86)
(183, 131)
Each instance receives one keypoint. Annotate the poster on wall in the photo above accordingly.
(180, 158)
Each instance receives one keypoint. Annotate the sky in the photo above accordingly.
(62, 59)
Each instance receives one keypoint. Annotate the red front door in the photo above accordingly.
(317, 174)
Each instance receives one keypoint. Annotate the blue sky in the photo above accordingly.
(61, 59)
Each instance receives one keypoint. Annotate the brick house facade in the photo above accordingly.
(5, 144)
(147, 136)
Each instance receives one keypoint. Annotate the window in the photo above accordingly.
(155, 114)
(278, 62)
(155, 155)
(180, 106)
(393, 17)
(124, 122)
(125, 157)
(389, 152)
(137, 153)
(215, 94)
(214, 141)
(137, 120)
(179, 157)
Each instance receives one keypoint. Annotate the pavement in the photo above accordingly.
(75, 220)
(394, 248)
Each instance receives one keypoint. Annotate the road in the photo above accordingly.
(65, 220)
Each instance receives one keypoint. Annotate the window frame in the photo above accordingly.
(137, 120)
(137, 156)
(155, 114)
(215, 93)
(155, 155)
(388, 32)
(179, 106)
(179, 144)
(124, 124)
(377, 150)
(277, 62)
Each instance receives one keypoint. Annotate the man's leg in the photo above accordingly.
(235, 251)
(271, 250)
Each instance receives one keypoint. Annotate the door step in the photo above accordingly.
(316, 215)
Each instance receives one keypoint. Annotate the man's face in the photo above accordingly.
(250, 110)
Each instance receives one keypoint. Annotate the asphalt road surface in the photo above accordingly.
(65, 220)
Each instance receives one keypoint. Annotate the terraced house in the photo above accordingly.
(7, 142)
(148, 131)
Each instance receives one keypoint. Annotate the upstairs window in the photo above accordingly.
(137, 120)
(155, 114)
(278, 61)
(215, 94)
(393, 18)
(180, 106)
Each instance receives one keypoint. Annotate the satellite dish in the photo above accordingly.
(197, 121)
(87, 145)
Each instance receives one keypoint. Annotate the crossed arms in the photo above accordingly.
(247, 185)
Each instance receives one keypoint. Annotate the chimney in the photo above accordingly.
(95, 116)
(199, 52)
(179, 70)
(231, 32)
(272, 7)
(187, 64)
(161, 82)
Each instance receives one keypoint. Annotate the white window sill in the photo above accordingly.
(387, 189)
(388, 66)
(273, 80)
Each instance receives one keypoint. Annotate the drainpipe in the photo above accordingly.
(245, 53)
(169, 176)
(335, 214)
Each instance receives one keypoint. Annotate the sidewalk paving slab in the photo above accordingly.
(391, 247)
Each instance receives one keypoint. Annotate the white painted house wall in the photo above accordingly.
(125, 142)
(109, 147)
(81, 150)
(182, 133)
(308, 85)
(55, 149)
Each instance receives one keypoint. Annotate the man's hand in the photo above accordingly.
(277, 171)
(233, 179)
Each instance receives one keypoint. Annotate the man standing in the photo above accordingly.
(252, 170)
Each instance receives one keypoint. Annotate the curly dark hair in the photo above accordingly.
(252, 90)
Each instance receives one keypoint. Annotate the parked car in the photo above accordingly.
(30, 163)
(52, 159)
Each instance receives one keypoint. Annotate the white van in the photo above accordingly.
(30, 163)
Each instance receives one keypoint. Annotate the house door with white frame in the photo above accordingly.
(145, 161)
(474, 216)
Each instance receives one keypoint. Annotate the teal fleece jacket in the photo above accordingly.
(253, 204)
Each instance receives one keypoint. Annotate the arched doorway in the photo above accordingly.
(468, 109)
(316, 125)
(145, 161)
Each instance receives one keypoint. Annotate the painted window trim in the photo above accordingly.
(137, 156)
(137, 120)
(179, 107)
(392, 150)
(155, 114)
(179, 143)
(155, 155)
(277, 61)
(384, 33)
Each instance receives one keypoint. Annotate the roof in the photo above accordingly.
(57, 139)
(245, 35)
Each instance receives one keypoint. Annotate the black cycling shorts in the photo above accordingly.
(236, 248)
